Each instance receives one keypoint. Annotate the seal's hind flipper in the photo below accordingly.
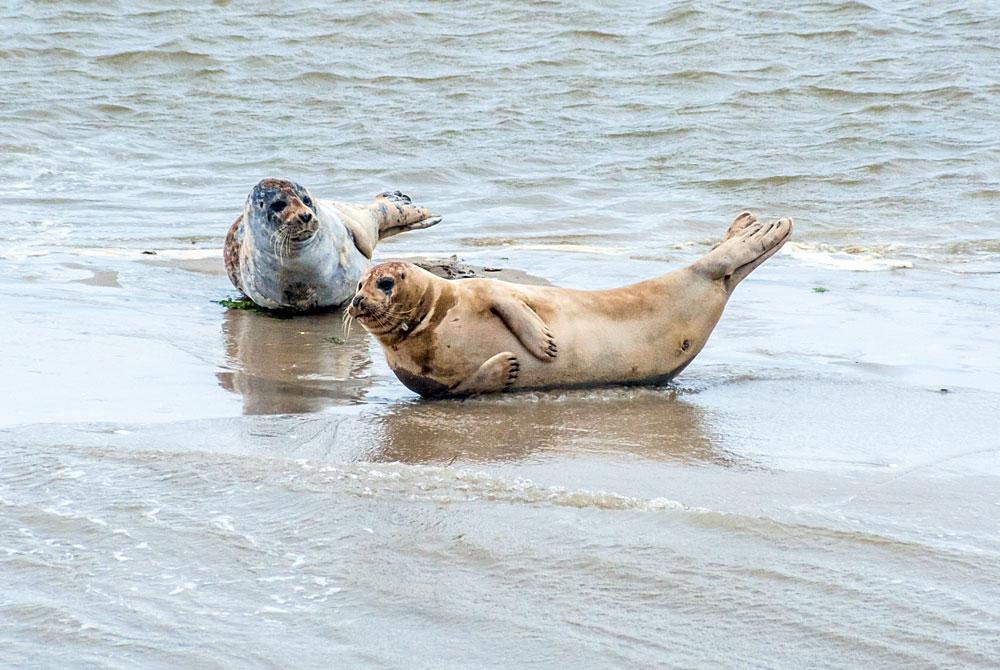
(496, 374)
(360, 223)
(231, 252)
(527, 327)
(395, 213)
(742, 221)
(747, 244)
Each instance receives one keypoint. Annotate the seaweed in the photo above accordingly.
(249, 305)
(239, 303)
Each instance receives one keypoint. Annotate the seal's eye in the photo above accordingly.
(277, 206)
(308, 202)
(385, 284)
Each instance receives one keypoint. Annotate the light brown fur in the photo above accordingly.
(469, 336)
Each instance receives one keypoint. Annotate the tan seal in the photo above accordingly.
(467, 336)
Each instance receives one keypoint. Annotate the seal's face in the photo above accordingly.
(282, 214)
(385, 300)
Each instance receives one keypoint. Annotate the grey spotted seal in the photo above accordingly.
(469, 336)
(288, 251)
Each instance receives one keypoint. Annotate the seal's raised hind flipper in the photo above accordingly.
(395, 213)
(742, 221)
(392, 213)
(360, 222)
(527, 327)
(231, 252)
(747, 244)
(496, 374)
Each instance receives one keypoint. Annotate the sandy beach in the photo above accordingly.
(183, 484)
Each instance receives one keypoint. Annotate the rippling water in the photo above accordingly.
(183, 485)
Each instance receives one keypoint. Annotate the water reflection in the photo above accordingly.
(285, 366)
(648, 423)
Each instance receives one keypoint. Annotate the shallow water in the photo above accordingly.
(186, 485)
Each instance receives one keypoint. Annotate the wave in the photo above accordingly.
(974, 247)
(827, 34)
(146, 56)
(677, 16)
(109, 108)
(597, 35)
(854, 258)
(852, 6)
(986, 193)
(757, 182)
(32, 53)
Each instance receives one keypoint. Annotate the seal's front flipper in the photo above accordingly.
(496, 374)
(748, 243)
(231, 252)
(527, 326)
(395, 213)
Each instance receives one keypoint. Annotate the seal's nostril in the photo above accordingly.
(358, 301)
(305, 217)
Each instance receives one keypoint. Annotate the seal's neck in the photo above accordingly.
(416, 318)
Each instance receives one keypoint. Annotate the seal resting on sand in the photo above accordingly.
(288, 251)
(468, 336)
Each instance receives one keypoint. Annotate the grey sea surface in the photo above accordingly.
(186, 486)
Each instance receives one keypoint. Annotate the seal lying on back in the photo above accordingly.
(467, 336)
(288, 251)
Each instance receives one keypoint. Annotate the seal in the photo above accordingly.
(288, 251)
(470, 336)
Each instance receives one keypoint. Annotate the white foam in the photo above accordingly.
(855, 259)
(575, 248)
(135, 254)
(457, 485)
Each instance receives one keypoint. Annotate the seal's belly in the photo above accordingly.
(323, 277)
(595, 346)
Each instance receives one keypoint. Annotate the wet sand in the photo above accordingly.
(185, 485)
(802, 485)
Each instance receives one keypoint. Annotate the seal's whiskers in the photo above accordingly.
(277, 246)
(397, 314)
(286, 245)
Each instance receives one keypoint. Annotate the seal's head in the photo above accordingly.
(391, 298)
(281, 214)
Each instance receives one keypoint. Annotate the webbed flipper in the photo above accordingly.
(747, 244)
(496, 374)
(231, 253)
(391, 213)
(527, 327)
(396, 213)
